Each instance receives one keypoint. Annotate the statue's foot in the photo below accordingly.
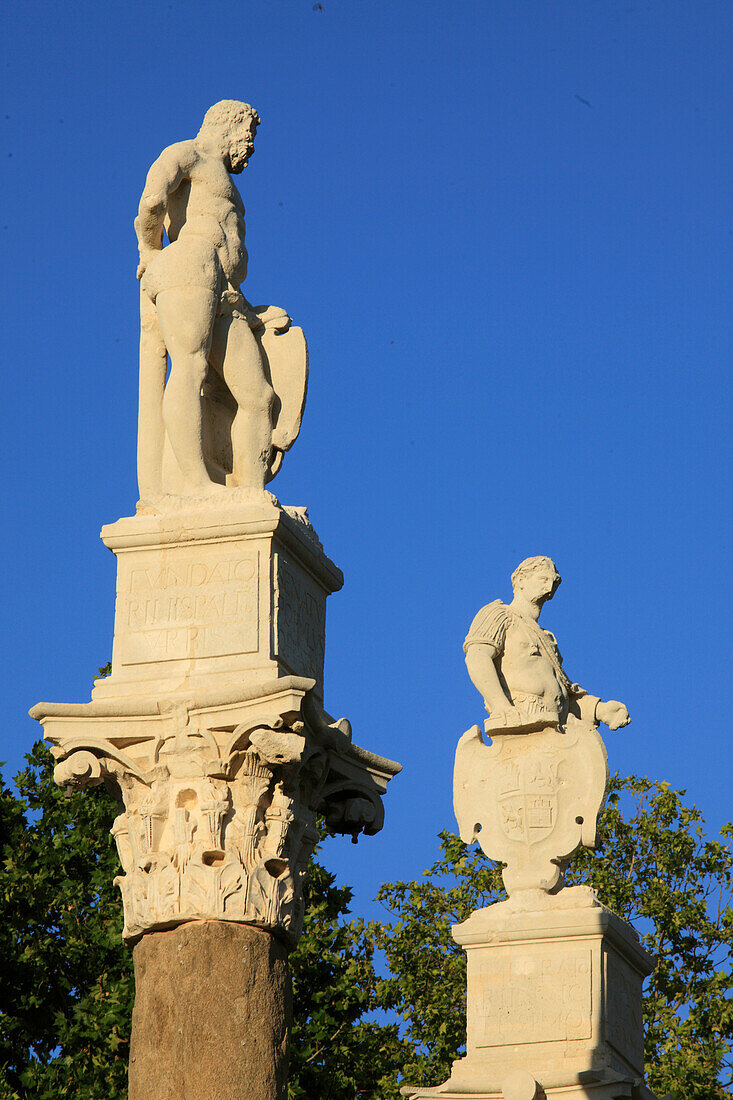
(207, 489)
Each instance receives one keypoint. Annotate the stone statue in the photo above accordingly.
(554, 978)
(530, 800)
(210, 731)
(233, 399)
(516, 665)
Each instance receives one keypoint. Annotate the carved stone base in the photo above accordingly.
(553, 1004)
(524, 1090)
(211, 1016)
(216, 595)
(210, 731)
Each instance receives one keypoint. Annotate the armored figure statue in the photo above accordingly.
(516, 665)
(532, 794)
(554, 978)
(233, 399)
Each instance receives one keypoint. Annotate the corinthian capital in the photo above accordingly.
(219, 799)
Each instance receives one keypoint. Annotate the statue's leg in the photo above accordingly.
(186, 318)
(244, 374)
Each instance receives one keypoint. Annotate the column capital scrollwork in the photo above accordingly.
(219, 805)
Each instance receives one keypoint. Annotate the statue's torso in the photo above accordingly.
(207, 204)
(526, 668)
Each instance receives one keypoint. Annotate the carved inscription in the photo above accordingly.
(184, 606)
(300, 632)
(623, 1013)
(533, 997)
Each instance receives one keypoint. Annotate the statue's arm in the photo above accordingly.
(165, 176)
(592, 709)
(480, 662)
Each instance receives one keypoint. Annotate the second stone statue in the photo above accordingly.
(554, 978)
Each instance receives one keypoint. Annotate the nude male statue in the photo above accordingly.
(516, 665)
(193, 310)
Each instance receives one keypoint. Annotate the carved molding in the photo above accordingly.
(219, 822)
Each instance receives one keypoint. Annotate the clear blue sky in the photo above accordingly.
(507, 231)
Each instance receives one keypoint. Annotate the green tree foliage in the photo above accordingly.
(335, 1054)
(66, 989)
(654, 866)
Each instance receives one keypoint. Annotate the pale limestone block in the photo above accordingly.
(554, 1005)
(217, 596)
(519, 1085)
(610, 1090)
(233, 401)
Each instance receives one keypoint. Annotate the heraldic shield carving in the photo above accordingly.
(531, 800)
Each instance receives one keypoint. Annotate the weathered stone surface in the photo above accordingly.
(532, 796)
(218, 797)
(554, 1004)
(517, 667)
(211, 1016)
(210, 731)
(558, 989)
(531, 800)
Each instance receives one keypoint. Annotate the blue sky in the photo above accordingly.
(506, 229)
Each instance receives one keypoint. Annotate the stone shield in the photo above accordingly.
(531, 800)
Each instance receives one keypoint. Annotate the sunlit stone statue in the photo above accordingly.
(233, 399)
(516, 665)
(546, 769)
(554, 1003)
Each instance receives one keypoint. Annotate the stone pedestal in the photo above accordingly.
(210, 596)
(211, 735)
(554, 1004)
(211, 1017)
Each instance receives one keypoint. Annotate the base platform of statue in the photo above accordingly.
(554, 1003)
(211, 736)
(215, 593)
(210, 731)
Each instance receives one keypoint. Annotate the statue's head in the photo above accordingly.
(233, 125)
(536, 578)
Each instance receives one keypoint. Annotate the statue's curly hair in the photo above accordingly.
(227, 114)
(530, 564)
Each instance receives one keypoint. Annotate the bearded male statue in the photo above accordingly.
(233, 399)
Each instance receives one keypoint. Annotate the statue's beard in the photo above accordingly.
(239, 158)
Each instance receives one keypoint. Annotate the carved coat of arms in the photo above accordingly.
(531, 799)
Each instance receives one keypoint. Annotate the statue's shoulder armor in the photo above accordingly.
(489, 625)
